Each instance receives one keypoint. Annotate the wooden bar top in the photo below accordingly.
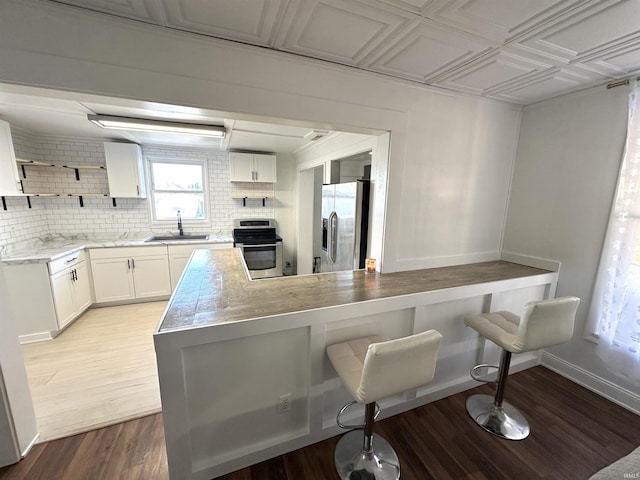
(214, 288)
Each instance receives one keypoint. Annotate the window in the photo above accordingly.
(614, 316)
(178, 186)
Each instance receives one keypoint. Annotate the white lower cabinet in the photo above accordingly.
(130, 273)
(46, 297)
(71, 292)
(179, 257)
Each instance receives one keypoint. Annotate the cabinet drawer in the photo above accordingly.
(220, 246)
(67, 261)
(135, 252)
(187, 249)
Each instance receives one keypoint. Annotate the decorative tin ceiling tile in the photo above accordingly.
(498, 20)
(516, 50)
(493, 73)
(548, 85)
(250, 21)
(428, 50)
(133, 9)
(338, 30)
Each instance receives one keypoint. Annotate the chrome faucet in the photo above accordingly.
(180, 224)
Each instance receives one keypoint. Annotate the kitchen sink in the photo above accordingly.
(171, 238)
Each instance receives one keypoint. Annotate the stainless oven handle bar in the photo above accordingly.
(242, 245)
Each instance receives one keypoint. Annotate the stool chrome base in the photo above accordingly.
(353, 463)
(504, 421)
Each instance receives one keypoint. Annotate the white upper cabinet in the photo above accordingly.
(252, 167)
(9, 180)
(265, 166)
(125, 170)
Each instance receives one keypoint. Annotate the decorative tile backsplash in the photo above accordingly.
(98, 217)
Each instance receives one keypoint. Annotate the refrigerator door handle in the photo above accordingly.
(333, 235)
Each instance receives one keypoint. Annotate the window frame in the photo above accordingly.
(206, 221)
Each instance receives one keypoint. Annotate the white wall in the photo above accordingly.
(16, 407)
(352, 170)
(450, 155)
(455, 182)
(284, 209)
(566, 170)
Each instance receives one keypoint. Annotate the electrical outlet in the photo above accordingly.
(284, 403)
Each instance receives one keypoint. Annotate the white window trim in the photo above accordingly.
(188, 222)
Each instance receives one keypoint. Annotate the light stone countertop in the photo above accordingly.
(53, 247)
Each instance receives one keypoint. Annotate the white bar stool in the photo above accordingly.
(373, 368)
(542, 324)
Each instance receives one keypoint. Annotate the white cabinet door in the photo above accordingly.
(241, 167)
(265, 168)
(31, 298)
(252, 167)
(9, 180)
(112, 279)
(125, 170)
(82, 288)
(177, 264)
(62, 287)
(129, 273)
(151, 276)
(71, 290)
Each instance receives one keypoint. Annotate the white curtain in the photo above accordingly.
(614, 315)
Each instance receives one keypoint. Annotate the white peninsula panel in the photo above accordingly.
(232, 351)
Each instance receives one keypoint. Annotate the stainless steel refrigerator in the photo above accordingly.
(345, 223)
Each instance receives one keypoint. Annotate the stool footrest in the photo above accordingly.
(353, 427)
(478, 378)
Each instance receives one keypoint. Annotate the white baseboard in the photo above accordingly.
(31, 445)
(34, 337)
(537, 262)
(602, 387)
(446, 261)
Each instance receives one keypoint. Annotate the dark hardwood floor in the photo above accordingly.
(574, 434)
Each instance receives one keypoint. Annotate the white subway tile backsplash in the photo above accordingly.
(52, 215)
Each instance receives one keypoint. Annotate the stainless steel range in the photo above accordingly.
(261, 246)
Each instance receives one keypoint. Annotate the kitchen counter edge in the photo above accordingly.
(215, 290)
(47, 253)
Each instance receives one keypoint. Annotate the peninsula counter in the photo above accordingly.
(231, 351)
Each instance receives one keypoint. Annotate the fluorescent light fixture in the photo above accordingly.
(157, 126)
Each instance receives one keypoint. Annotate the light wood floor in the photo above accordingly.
(98, 372)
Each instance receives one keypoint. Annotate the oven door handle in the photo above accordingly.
(242, 245)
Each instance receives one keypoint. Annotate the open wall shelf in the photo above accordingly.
(35, 163)
(80, 196)
(248, 197)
